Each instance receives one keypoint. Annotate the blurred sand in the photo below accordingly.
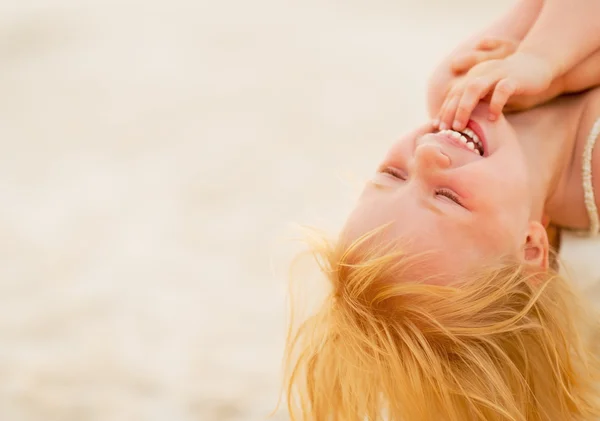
(154, 157)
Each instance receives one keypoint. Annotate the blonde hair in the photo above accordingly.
(505, 344)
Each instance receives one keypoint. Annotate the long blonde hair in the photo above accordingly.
(504, 344)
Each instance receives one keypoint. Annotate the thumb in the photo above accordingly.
(464, 62)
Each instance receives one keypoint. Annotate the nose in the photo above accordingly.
(430, 158)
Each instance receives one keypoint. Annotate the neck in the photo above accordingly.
(548, 149)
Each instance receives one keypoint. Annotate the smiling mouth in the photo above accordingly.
(468, 138)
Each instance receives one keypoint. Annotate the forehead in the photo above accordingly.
(434, 258)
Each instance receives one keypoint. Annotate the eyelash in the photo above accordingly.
(442, 192)
(394, 173)
(450, 195)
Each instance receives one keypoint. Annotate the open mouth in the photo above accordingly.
(468, 137)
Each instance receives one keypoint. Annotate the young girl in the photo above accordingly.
(442, 303)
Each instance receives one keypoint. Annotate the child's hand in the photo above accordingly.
(525, 102)
(453, 69)
(495, 80)
(488, 48)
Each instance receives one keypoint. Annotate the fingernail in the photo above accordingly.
(456, 125)
(436, 122)
(443, 126)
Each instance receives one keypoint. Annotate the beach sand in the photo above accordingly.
(156, 157)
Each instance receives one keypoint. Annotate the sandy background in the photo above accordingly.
(155, 156)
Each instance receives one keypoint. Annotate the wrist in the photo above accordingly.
(541, 70)
(555, 67)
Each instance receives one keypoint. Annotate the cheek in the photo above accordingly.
(399, 152)
(499, 233)
(500, 186)
(406, 144)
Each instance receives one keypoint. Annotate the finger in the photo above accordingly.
(497, 54)
(465, 62)
(473, 93)
(502, 92)
(438, 118)
(487, 44)
(449, 111)
(440, 115)
(508, 48)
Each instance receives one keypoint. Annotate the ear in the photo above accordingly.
(536, 248)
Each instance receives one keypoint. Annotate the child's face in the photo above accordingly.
(445, 200)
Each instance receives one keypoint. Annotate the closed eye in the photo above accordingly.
(401, 175)
(450, 195)
(395, 172)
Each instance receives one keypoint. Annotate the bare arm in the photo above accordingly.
(514, 25)
(564, 34)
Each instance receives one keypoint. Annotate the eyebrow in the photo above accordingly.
(428, 205)
(379, 186)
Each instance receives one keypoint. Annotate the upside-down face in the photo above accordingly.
(462, 199)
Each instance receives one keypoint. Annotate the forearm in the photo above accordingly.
(514, 25)
(565, 33)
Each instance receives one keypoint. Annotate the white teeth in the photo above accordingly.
(469, 132)
(463, 139)
(472, 134)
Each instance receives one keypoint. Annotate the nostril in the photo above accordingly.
(432, 155)
(447, 161)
